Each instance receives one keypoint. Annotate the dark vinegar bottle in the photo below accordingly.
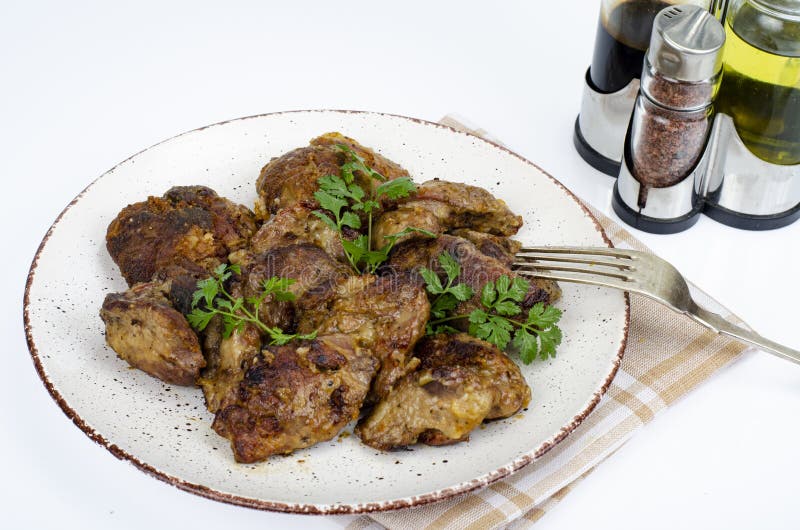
(623, 34)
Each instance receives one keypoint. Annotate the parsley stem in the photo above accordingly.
(350, 257)
(444, 292)
(517, 323)
(249, 319)
(525, 326)
(250, 316)
(446, 319)
(369, 228)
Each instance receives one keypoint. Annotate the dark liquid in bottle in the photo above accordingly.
(621, 41)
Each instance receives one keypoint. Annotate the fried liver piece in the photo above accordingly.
(440, 206)
(297, 224)
(500, 248)
(460, 382)
(296, 395)
(292, 178)
(459, 205)
(226, 358)
(315, 274)
(144, 328)
(189, 227)
(477, 268)
(414, 214)
(384, 315)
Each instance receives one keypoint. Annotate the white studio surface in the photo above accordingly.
(86, 85)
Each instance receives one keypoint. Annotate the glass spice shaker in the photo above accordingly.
(671, 120)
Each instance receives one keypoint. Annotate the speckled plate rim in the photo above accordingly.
(300, 508)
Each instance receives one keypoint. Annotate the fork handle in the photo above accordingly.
(720, 325)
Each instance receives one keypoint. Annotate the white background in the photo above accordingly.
(85, 85)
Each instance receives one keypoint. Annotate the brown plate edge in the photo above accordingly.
(420, 500)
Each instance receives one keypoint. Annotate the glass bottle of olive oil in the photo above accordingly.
(761, 82)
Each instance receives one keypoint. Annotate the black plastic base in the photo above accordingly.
(592, 157)
(751, 222)
(651, 224)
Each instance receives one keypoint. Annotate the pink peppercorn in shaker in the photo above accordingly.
(671, 122)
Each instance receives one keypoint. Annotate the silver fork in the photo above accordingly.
(636, 272)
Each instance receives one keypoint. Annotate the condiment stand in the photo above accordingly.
(728, 182)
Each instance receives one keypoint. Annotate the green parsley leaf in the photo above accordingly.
(368, 206)
(519, 289)
(352, 220)
(279, 289)
(503, 283)
(221, 270)
(550, 339)
(536, 336)
(279, 338)
(478, 316)
(441, 328)
(330, 202)
(357, 163)
(356, 249)
(442, 305)
(342, 196)
(432, 281)
(461, 292)
(392, 238)
(225, 304)
(206, 290)
(507, 308)
(199, 319)
(396, 188)
(527, 345)
(488, 294)
(234, 311)
(373, 258)
(451, 267)
(334, 186)
(501, 331)
(355, 192)
(543, 316)
(327, 220)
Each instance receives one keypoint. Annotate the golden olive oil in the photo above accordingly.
(761, 91)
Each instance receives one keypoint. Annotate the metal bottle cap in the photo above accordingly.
(686, 44)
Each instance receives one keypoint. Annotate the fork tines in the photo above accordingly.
(601, 266)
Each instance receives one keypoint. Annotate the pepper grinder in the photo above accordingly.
(612, 80)
(665, 143)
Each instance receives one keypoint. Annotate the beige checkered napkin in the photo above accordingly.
(666, 357)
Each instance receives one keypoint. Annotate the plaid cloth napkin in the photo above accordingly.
(666, 357)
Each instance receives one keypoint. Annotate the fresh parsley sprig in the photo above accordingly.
(365, 259)
(343, 199)
(237, 312)
(535, 336)
(447, 296)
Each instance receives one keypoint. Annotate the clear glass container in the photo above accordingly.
(761, 80)
(623, 34)
(666, 144)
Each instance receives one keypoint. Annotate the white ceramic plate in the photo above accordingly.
(166, 430)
